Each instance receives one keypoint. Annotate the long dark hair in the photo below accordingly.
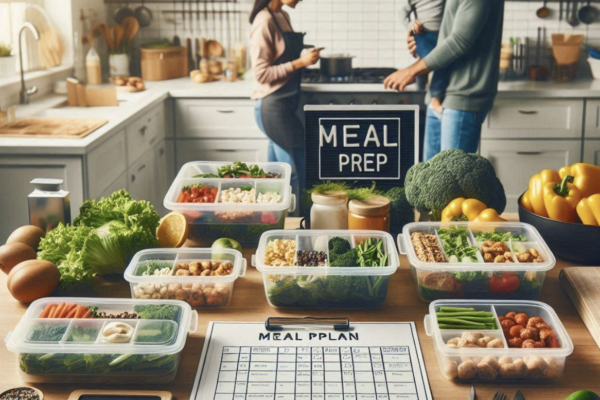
(259, 5)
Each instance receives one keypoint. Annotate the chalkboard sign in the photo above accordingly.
(361, 144)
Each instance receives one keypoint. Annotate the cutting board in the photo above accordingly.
(51, 128)
(582, 285)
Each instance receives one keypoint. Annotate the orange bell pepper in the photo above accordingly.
(462, 209)
(526, 201)
(588, 210)
(587, 177)
(536, 190)
(489, 215)
(561, 199)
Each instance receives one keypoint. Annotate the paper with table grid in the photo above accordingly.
(373, 361)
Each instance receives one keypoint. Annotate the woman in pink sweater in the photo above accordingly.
(275, 51)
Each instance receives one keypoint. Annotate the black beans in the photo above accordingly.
(22, 393)
(311, 258)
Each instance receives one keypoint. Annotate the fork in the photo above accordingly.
(499, 396)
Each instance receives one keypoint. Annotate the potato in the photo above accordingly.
(28, 234)
(32, 280)
(12, 254)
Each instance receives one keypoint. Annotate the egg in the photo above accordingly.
(32, 280)
(28, 234)
(12, 254)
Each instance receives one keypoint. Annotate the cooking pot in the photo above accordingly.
(336, 65)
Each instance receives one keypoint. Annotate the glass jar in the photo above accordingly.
(371, 214)
(329, 210)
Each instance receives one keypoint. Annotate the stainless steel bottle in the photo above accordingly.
(49, 204)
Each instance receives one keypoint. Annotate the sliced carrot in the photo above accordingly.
(71, 313)
(46, 311)
(80, 311)
(59, 310)
(52, 311)
(67, 310)
(88, 314)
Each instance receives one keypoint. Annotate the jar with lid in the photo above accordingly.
(329, 210)
(370, 214)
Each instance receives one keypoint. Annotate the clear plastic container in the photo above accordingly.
(167, 283)
(244, 222)
(478, 279)
(74, 350)
(505, 364)
(323, 286)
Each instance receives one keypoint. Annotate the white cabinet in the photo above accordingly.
(17, 172)
(591, 152)
(141, 175)
(516, 161)
(161, 176)
(145, 132)
(105, 163)
(221, 150)
(534, 118)
(118, 184)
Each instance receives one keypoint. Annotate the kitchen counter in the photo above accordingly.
(402, 304)
(133, 104)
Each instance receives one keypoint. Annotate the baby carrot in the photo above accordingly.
(59, 310)
(46, 311)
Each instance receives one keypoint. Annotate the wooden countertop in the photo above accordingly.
(249, 304)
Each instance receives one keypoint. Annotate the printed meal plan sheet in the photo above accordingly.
(372, 361)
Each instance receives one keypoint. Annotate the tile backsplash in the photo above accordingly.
(371, 30)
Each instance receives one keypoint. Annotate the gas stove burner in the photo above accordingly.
(359, 75)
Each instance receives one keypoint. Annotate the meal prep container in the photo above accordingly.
(72, 358)
(325, 287)
(240, 221)
(538, 364)
(197, 291)
(478, 280)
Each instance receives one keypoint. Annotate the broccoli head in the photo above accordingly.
(337, 288)
(431, 185)
(401, 211)
(338, 245)
(347, 259)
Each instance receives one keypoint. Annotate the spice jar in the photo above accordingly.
(329, 210)
(371, 214)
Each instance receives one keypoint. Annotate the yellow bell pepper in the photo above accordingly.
(588, 210)
(561, 199)
(587, 177)
(536, 190)
(489, 215)
(462, 209)
(526, 201)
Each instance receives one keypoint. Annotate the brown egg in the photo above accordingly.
(32, 280)
(12, 254)
(28, 234)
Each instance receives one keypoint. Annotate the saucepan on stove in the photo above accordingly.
(336, 65)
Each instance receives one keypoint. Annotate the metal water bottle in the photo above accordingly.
(49, 204)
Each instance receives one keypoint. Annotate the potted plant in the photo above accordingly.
(7, 62)
(119, 39)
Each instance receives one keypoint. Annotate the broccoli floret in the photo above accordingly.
(347, 259)
(338, 245)
(286, 292)
(401, 211)
(337, 288)
(451, 174)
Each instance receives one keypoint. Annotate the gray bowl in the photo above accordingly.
(576, 242)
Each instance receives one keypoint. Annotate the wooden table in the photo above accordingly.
(249, 303)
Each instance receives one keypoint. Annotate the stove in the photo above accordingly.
(359, 75)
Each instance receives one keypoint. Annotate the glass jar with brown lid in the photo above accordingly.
(370, 214)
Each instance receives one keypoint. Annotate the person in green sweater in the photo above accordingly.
(468, 50)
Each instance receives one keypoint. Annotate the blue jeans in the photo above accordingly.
(426, 41)
(455, 130)
(278, 154)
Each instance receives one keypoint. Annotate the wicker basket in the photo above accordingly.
(161, 64)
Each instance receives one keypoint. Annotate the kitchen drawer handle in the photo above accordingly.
(132, 178)
(161, 152)
(529, 153)
(225, 150)
(143, 130)
(527, 112)
(225, 111)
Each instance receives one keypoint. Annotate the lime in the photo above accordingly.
(583, 395)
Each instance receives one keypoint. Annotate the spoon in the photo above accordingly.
(543, 11)
(587, 14)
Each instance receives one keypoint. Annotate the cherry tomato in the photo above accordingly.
(508, 282)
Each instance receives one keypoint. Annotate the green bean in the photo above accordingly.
(455, 309)
(461, 322)
(466, 314)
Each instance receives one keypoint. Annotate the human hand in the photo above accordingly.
(399, 79)
(416, 26)
(310, 57)
(412, 46)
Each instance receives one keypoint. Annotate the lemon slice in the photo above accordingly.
(173, 230)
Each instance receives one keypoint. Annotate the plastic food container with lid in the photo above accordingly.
(288, 284)
(469, 363)
(451, 278)
(242, 221)
(83, 350)
(178, 274)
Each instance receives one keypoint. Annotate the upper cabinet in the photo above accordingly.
(534, 118)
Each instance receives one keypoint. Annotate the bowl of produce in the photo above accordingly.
(76, 340)
(326, 268)
(234, 200)
(203, 278)
(565, 207)
(498, 341)
(476, 260)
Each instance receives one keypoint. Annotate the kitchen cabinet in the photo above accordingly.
(221, 150)
(105, 164)
(141, 176)
(118, 184)
(592, 119)
(17, 172)
(145, 132)
(534, 119)
(591, 152)
(161, 176)
(515, 161)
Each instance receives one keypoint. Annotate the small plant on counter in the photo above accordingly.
(5, 50)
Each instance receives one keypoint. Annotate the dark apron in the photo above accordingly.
(278, 110)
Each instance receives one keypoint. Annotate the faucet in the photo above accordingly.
(24, 94)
